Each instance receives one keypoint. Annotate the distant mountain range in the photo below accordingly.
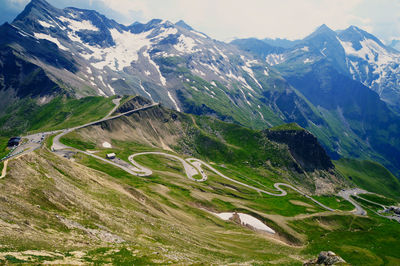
(353, 52)
(342, 86)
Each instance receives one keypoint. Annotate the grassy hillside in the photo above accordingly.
(379, 199)
(217, 141)
(202, 137)
(359, 240)
(86, 211)
(161, 219)
(3, 146)
(61, 112)
(370, 176)
(3, 150)
(289, 126)
(78, 212)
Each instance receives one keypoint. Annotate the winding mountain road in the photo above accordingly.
(57, 145)
(346, 194)
(192, 166)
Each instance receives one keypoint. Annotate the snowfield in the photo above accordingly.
(106, 144)
(76, 25)
(173, 101)
(246, 220)
(51, 39)
(186, 45)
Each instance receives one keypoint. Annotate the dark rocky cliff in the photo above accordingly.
(134, 103)
(304, 147)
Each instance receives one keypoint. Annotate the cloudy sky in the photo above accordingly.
(226, 19)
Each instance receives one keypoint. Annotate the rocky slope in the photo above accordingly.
(304, 147)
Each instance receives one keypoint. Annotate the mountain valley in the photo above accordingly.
(153, 143)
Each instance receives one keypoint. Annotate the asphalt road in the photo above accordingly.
(346, 194)
(31, 143)
(195, 168)
(116, 102)
(57, 145)
(34, 141)
(190, 170)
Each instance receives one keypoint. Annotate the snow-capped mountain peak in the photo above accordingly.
(183, 24)
(353, 52)
(371, 62)
(144, 58)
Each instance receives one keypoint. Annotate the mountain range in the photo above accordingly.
(342, 86)
(353, 52)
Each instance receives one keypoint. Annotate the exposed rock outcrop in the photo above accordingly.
(304, 147)
(326, 258)
(133, 104)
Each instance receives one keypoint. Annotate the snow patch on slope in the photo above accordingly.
(251, 74)
(308, 60)
(305, 49)
(186, 45)
(106, 144)
(246, 220)
(275, 59)
(240, 79)
(148, 94)
(111, 89)
(221, 53)
(45, 24)
(123, 53)
(174, 102)
(198, 33)
(162, 79)
(51, 39)
(166, 32)
(370, 51)
(76, 25)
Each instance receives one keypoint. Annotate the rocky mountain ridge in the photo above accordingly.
(304, 147)
(81, 52)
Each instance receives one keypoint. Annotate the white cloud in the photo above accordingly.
(224, 19)
(125, 7)
(260, 18)
(17, 3)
